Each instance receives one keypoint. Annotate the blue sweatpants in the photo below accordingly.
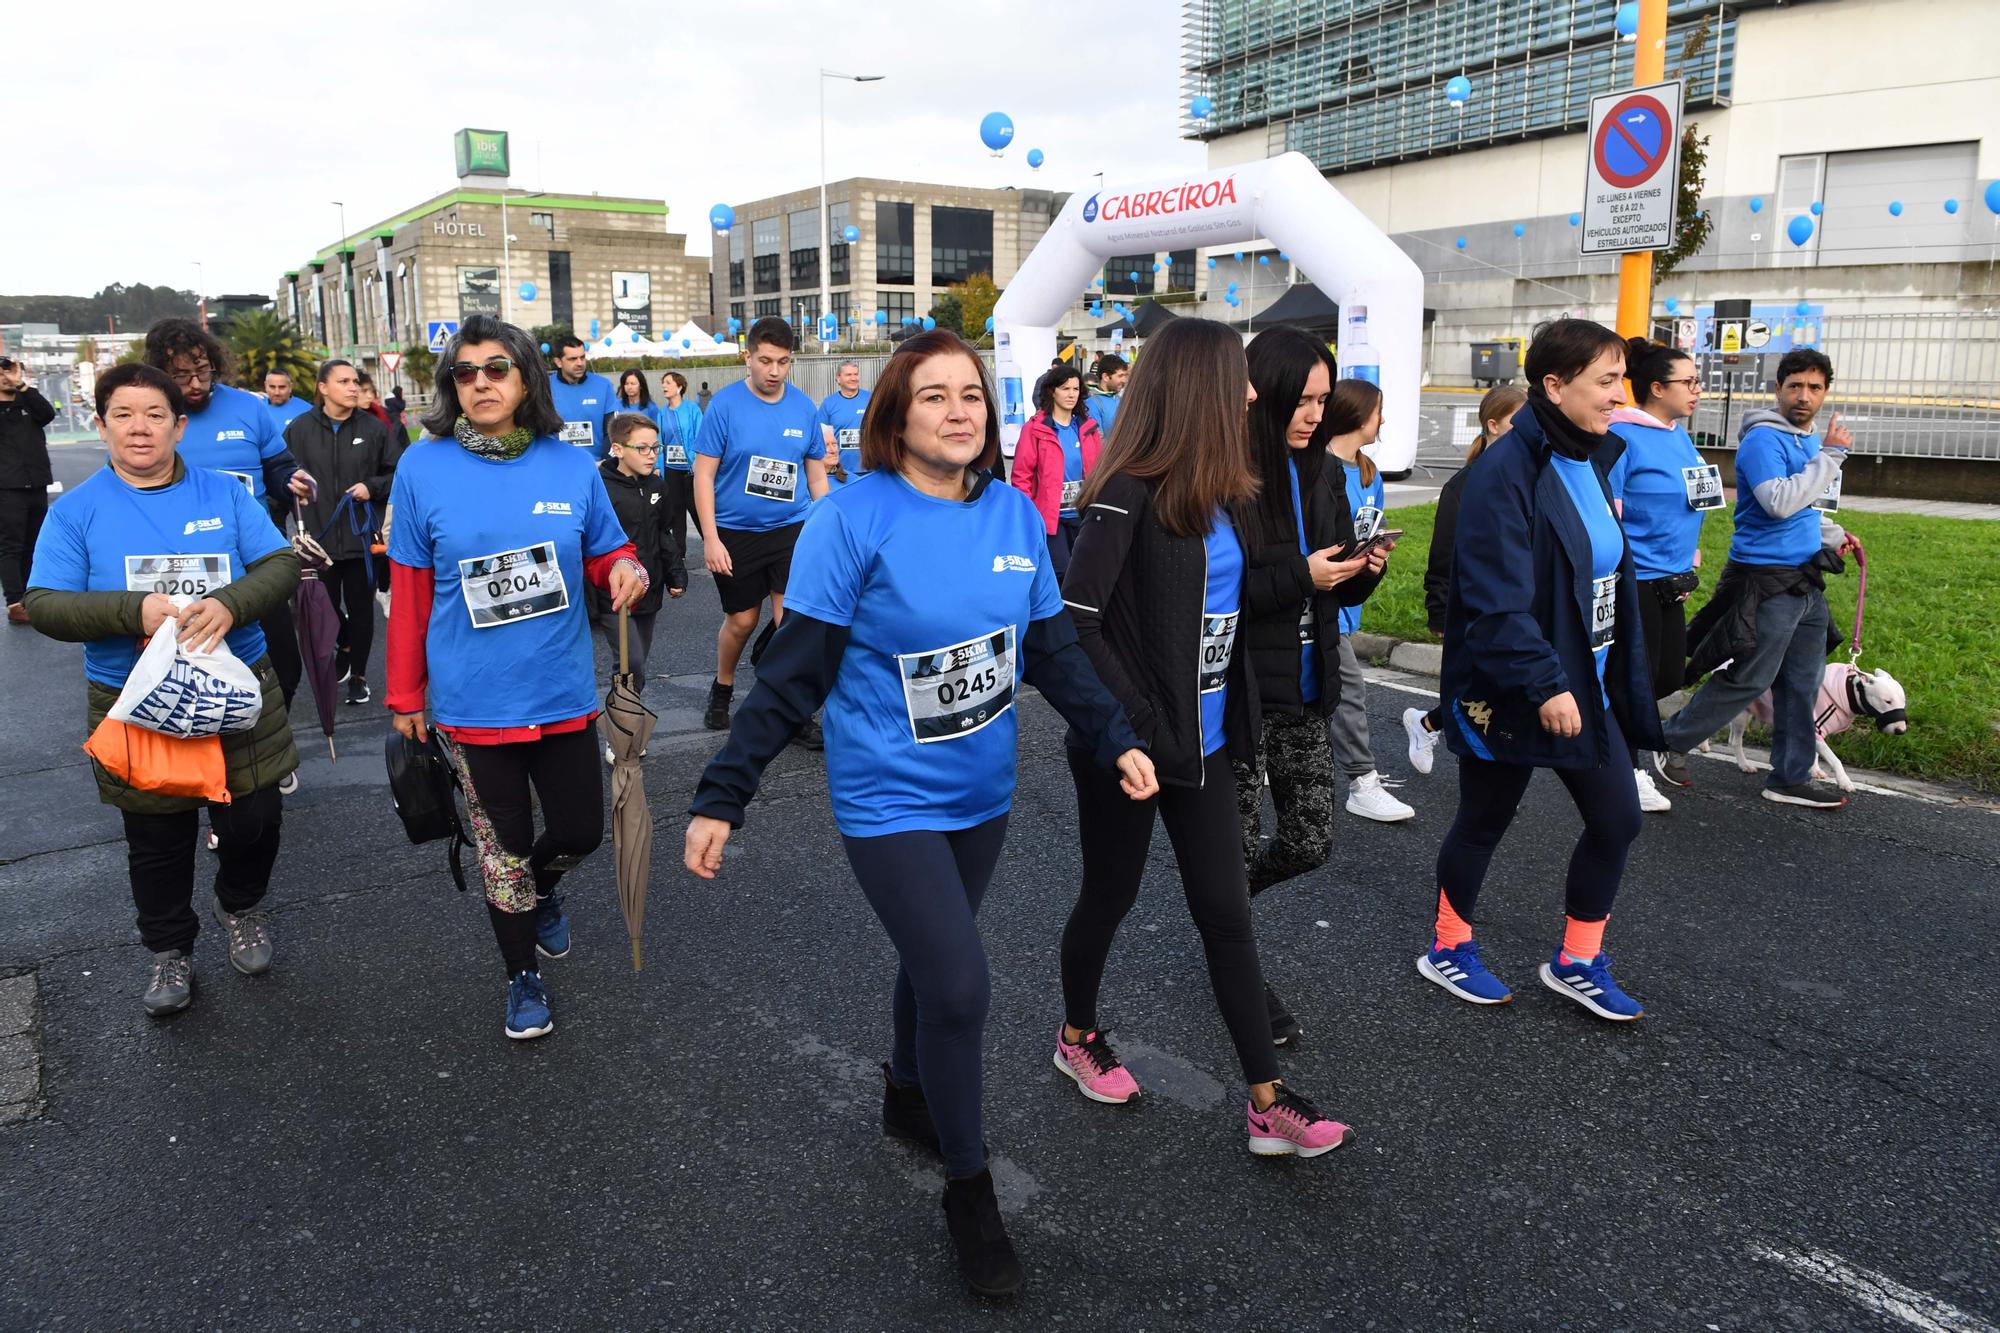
(926, 887)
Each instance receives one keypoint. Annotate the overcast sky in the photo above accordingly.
(221, 132)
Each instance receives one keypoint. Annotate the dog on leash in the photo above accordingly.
(1845, 693)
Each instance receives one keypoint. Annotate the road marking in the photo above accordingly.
(1873, 1291)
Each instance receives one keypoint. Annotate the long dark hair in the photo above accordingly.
(645, 393)
(1182, 426)
(1045, 401)
(1353, 402)
(537, 412)
(1281, 361)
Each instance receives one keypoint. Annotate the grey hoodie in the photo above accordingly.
(1781, 497)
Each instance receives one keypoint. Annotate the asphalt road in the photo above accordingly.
(1800, 1135)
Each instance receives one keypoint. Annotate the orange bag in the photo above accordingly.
(164, 765)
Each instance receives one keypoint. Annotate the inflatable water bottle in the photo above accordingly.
(1358, 360)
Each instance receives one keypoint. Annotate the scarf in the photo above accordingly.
(498, 448)
(1565, 436)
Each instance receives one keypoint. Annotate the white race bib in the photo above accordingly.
(579, 433)
(1072, 491)
(177, 575)
(772, 479)
(1603, 611)
(1829, 499)
(677, 454)
(849, 438)
(1218, 641)
(1367, 522)
(952, 692)
(1704, 486)
(513, 585)
(249, 482)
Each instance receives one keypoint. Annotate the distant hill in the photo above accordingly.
(133, 307)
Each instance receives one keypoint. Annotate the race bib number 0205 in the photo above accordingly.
(513, 585)
(772, 478)
(1218, 641)
(177, 575)
(1704, 486)
(1603, 611)
(954, 691)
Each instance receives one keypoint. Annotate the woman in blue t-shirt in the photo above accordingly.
(1156, 589)
(921, 599)
(1544, 666)
(143, 541)
(499, 527)
(680, 427)
(1662, 488)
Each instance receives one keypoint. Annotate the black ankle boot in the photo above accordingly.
(905, 1113)
(1285, 1029)
(985, 1256)
(716, 716)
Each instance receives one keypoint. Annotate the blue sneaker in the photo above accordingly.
(1460, 972)
(1591, 986)
(551, 928)
(528, 1007)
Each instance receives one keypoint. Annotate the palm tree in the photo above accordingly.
(419, 366)
(261, 341)
(86, 351)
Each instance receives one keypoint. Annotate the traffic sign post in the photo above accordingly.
(392, 361)
(1632, 175)
(829, 328)
(438, 332)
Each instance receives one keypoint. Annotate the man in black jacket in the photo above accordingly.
(353, 455)
(24, 480)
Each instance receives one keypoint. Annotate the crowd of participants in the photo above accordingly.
(1177, 565)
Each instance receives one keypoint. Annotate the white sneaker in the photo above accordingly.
(1368, 796)
(1651, 799)
(1423, 741)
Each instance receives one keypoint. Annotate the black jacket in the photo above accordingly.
(1444, 540)
(1276, 585)
(339, 454)
(1135, 593)
(637, 501)
(24, 448)
(1726, 628)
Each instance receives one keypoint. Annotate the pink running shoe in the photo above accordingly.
(1294, 1125)
(1096, 1070)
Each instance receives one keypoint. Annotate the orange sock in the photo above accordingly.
(1451, 929)
(1583, 940)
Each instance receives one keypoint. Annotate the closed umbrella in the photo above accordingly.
(318, 629)
(627, 727)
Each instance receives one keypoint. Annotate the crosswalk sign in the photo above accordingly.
(441, 331)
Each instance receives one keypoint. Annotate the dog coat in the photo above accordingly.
(1834, 710)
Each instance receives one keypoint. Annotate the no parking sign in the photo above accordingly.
(1633, 170)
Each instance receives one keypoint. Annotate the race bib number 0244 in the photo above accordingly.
(954, 691)
(513, 585)
(177, 575)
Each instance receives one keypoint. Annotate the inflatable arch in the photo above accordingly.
(1284, 200)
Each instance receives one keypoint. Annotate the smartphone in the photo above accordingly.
(1382, 538)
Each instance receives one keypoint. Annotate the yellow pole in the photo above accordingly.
(1635, 271)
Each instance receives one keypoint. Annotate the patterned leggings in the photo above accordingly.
(520, 868)
(1294, 751)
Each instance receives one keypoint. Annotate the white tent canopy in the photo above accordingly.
(620, 343)
(1379, 289)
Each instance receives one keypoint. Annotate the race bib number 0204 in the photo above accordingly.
(177, 575)
(513, 585)
(772, 478)
(954, 691)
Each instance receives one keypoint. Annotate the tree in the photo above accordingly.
(976, 296)
(949, 311)
(261, 341)
(86, 350)
(1692, 225)
(420, 364)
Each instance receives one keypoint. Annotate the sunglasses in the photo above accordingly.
(498, 369)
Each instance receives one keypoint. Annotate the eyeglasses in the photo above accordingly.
(1692, 381)
(641, 448)
(498, 369)
(201, 370)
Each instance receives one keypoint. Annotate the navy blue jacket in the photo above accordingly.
(1516, 617)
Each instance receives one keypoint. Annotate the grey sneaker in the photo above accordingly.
(172, 987)
(249, 943)
(1673, 768)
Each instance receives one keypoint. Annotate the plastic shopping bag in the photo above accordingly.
(182, 693)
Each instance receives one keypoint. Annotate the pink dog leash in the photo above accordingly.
(1860, 599)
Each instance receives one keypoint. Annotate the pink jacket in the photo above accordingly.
(1038, 463)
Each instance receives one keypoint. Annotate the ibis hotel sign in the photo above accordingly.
(481, 153)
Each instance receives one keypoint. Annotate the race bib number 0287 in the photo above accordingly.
(513, 585)
(954, 691)
(177, 575)
(772, 478)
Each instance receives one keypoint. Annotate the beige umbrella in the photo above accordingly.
(627, 726)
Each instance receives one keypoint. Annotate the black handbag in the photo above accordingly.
(1677, 587)
(423, 782)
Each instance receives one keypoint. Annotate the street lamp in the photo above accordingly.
(825, 269)
(346, 275)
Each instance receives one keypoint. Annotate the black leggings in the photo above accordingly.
(1203, 825)
(519, 867)
(160, 852)
(353, 594)
(1488, 795)
(926, 888)
(677, 502)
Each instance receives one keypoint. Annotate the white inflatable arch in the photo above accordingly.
(1285, 201)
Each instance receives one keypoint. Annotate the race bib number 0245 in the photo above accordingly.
(1218, 641)
(513, 585)
(954, 691)
(177, 575)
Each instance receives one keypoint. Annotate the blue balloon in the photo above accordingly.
(1895, 208)
(1265, 260)
(1756, 204)
(1817, 208)
(1232, 287)
(1035, 159)
(545, 348)
(1519, 231)
(929, 323)
(1673, 304)
(850, 233)
(1239, 256)
(1951, 205)
(989, 323)
(1458, 90)
(1799, 230)
(996, 131)
(593, 329)
(1576, 219)
(1211, 263)
(1993, 197)
(1282, 255)
(1157, 267)
(722, 217)
(1200, 107)
(632, 337)
(909, 320)
(1803, 307)
(527, 291)
(687, 342)
(1460, 242)
(1628, 19)
(1133, 275)
(881, 317)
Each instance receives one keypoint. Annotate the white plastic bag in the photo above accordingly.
(179, 692)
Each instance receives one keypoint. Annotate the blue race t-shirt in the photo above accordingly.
(1768, 454)
(1607, 550)
(233, 435)
(187, 538)
(294, 406)
(1308, 630)
(1366, 503)
(844, 416)
(1221, 601)
(680, 427)
(509, 643)
(937, 596)
(760, 482)
(1667, 489)
(1072, 452)
(1103, 409)
(583, 407)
